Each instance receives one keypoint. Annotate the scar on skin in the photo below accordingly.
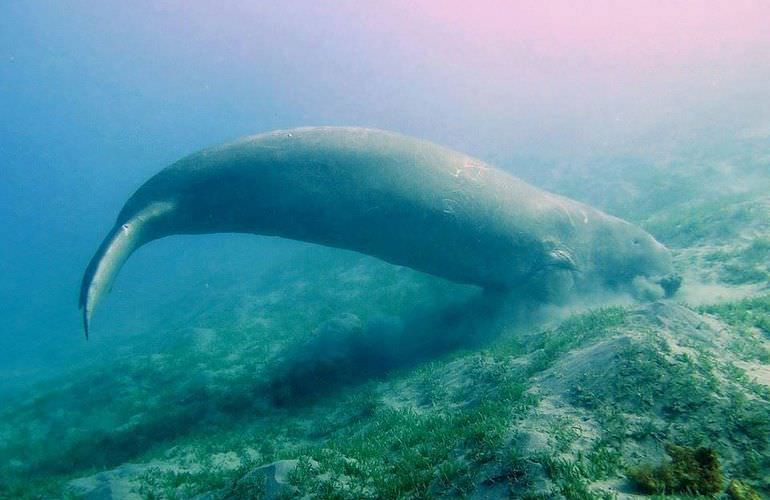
(471, 168)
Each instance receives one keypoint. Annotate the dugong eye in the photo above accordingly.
(125, 227)
(636, 241)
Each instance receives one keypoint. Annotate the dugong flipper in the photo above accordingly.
(401, 199)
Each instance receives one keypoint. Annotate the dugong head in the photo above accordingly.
(627, 257)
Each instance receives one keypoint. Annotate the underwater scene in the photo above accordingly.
(384, 250)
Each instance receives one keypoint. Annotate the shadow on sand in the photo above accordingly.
(345, 352)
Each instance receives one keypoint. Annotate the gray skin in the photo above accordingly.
(397, 198)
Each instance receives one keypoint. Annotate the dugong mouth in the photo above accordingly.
(650, 288)
(670, 283)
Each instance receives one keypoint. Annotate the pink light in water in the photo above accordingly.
(605, 31)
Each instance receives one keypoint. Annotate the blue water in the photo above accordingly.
(97, 96)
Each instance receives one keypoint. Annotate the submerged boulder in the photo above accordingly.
(269, 481)
(118, 483)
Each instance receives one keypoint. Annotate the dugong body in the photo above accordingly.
(401, 199)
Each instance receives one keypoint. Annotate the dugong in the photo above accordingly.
(403, 200)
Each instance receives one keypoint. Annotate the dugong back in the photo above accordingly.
(403, 200)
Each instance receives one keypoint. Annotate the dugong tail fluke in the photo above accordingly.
(401, 199)
(116, 248)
